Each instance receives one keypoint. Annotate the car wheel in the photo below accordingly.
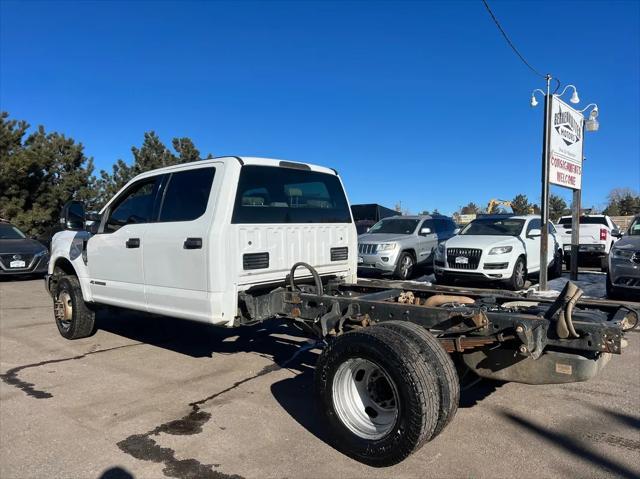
(604, 263)
(611, 290)
(518, 276)
(406, 265)
(73, 316)
(556, 267)
(378, 395)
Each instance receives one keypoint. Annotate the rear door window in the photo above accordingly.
(187, 195)
(269, 194)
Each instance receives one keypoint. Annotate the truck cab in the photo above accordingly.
(187, 240)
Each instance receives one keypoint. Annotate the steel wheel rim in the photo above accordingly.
(63, 309)
(365, 398)
(405, 266)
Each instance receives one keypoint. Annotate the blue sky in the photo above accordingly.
(419, 102)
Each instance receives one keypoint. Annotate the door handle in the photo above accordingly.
(193, 243)
(133, 243)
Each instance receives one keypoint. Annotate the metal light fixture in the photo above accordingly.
(534, 101)
(592, 123)
(575, 99)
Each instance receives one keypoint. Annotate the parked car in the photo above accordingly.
(19, 254)
(598, 233)
(396, 245)
(623, 272)
(503, 248)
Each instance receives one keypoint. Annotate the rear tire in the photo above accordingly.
(73, 316)
(378, 395)
(518, 276)
(434, 354)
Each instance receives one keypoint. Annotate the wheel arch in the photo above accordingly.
(65, 265)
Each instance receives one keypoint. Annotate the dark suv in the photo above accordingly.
(20, 255)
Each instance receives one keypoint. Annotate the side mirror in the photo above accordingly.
(616, 233)
(425, 231)
(72, 217)
(534, 233)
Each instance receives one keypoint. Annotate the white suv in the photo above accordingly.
(498, 248)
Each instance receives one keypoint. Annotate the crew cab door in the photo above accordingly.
(176, 246)
(532, 245)
(427, 242)
(114, 254)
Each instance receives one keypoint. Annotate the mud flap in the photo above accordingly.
(550, 368)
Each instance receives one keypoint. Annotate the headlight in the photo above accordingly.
(44, 252)
(622, 253)
(501, 250)
(386, 246)
(440, 250)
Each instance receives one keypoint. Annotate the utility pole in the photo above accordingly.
(544, 201)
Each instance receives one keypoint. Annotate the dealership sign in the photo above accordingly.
(565, 157)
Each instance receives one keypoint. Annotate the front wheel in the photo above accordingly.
(73, 317)
(378, 395)
(406, 265)
(518, 276)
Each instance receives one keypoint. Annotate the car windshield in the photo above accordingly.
(402, 227)
(634, 228)
(494, 227)
(10, 232)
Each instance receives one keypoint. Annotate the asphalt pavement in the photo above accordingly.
(152, 397)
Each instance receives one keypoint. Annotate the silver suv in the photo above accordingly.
(398, 244)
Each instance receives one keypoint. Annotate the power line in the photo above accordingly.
(513, 47)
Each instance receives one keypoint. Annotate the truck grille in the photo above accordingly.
(472, 254)
(255, 261)
(339, 254)
(367, 248)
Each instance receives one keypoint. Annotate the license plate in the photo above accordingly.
(17, 264)
(360, 259)
(462, 260)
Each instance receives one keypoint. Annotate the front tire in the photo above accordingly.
(612, 293)
(518, 276)
(73, 316)
(405, 266)
(378, 395)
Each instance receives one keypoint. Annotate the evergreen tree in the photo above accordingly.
(38, 175)
(520, 205)
(557, 207)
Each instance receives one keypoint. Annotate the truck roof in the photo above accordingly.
(243, 160)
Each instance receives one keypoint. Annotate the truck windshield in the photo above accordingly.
(494, 227)
(268, 194)
(586, 220)
(10, 232)
(402, 227)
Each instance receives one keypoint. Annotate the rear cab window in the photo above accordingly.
(268, 194)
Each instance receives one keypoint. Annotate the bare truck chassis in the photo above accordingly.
(378, 334)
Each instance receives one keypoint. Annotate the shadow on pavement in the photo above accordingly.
(572, 446)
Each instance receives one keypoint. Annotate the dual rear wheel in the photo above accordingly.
(385, 391)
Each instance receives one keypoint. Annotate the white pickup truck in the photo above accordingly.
(598, 233)
(220, 241)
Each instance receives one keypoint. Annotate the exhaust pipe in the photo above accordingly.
(562, 309)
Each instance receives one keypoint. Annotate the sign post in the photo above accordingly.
(562, 166)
